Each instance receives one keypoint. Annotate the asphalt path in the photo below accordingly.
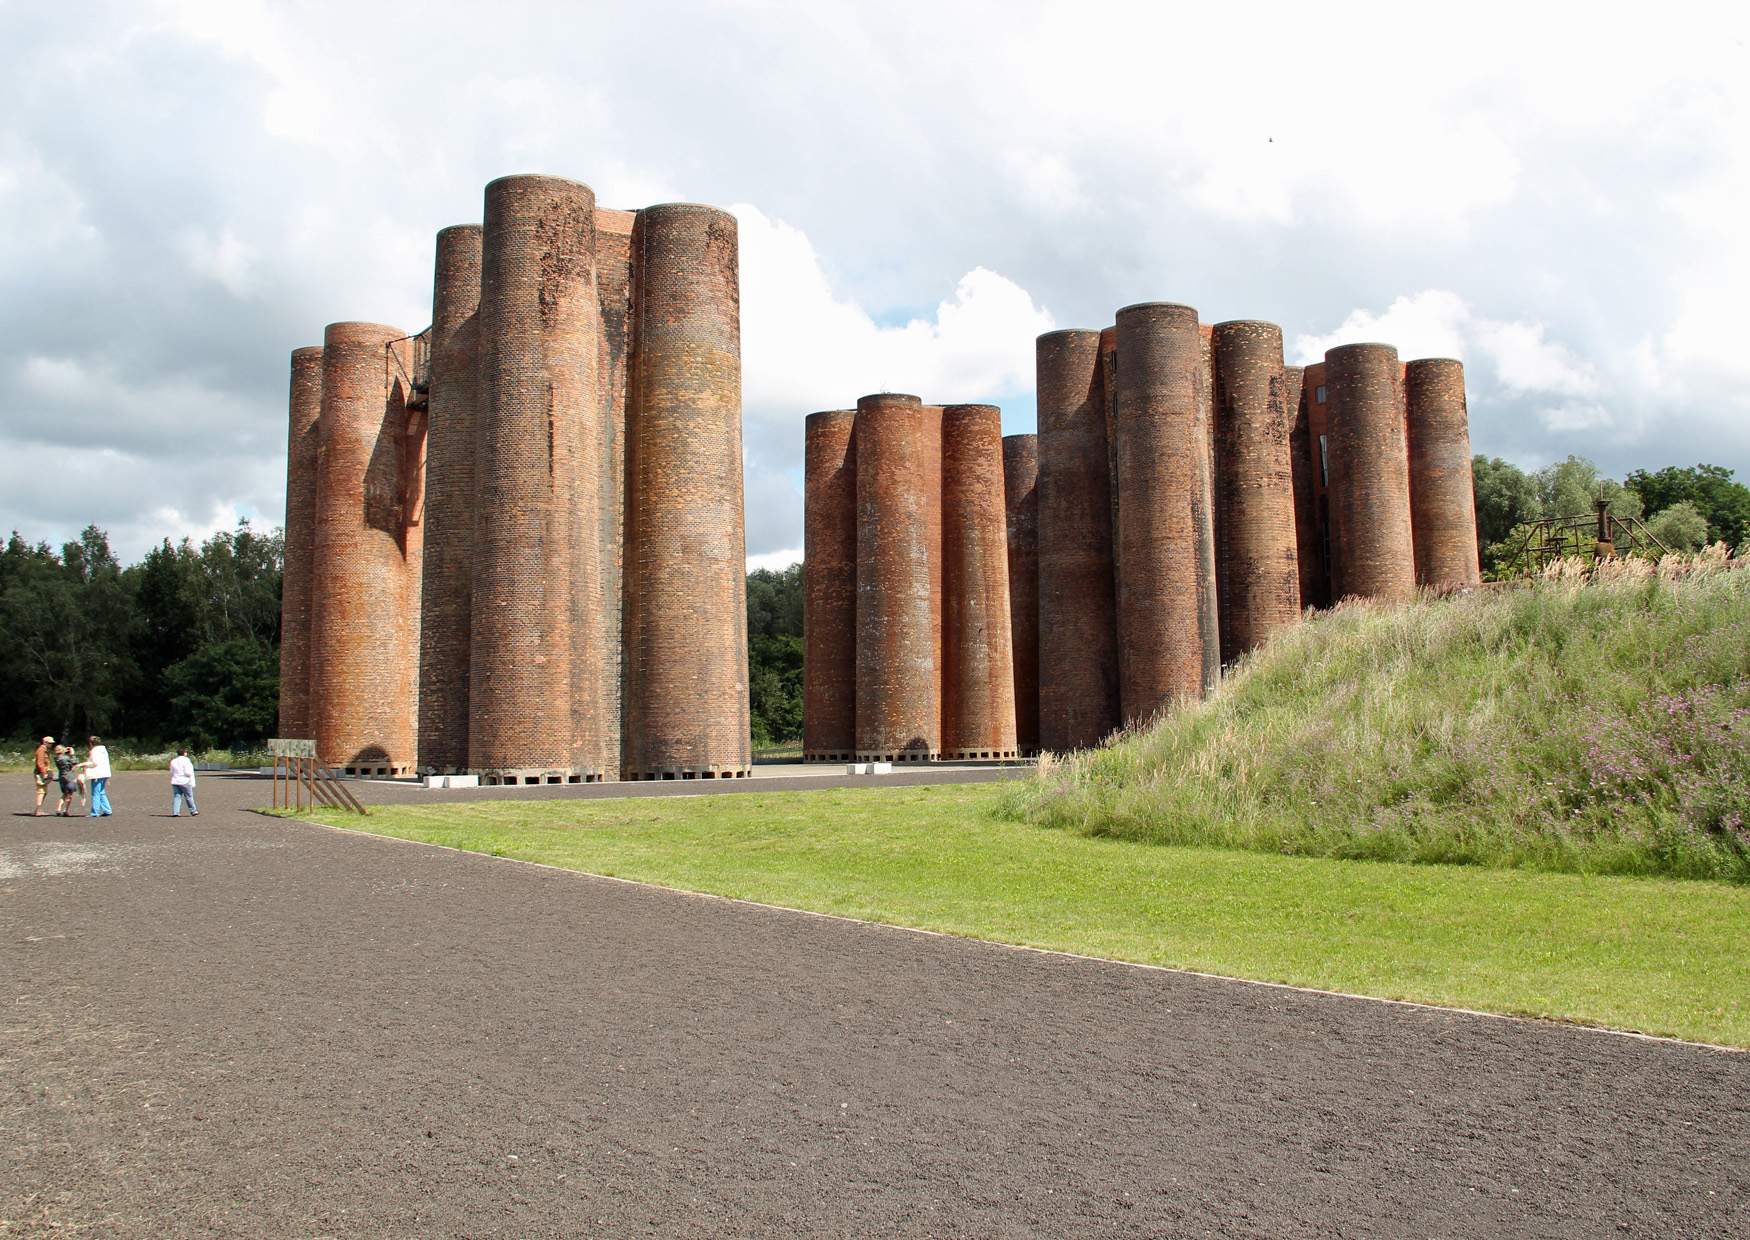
(241, 1026)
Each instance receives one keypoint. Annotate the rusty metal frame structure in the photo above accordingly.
(1602, 535)
(298, 783)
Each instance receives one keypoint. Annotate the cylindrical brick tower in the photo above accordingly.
(1303, 464)
(1021, 502)
(1160, 588)
(1078, 636)
(686, 620)
(829, 588)
(613, 273)
(1257, 567)
(295, 718)
(897, 710)
(535, 714)
(446, 607)
(1370, 476)
(978, 699)
(1443, 513)
(366, 557)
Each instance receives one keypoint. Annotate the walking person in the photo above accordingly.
(66, 774)
(182, 784)
(45, 771)
(96, 766)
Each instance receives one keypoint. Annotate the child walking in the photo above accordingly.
(182, 784)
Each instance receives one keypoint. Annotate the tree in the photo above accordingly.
(1506, 497)
(1721, 502)
(1569, 489)
(774, 648)
(1681, 527)
(225, 694)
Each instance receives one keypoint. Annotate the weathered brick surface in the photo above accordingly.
(978, 697)
(932, 468)
(366, 556)
(1303, 465)
(614, 290)
(1021, 504)
(446, 606)
(537, 590)
(1078, 655)
(1443, 515)
(897, 712)
(1369, 473)
(686, 630)
(1159, 559)
(829, 587)
(300, 532)
(1257, 567)
(1109, 400)
(1203, 514)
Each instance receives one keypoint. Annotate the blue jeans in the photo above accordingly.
(178, 794)
(99, 797)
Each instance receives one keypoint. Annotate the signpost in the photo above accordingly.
(295, 773)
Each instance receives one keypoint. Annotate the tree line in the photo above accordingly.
(183, 646)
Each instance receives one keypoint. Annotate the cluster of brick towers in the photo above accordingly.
(906, 584)
(514, 542)
(1186, 495)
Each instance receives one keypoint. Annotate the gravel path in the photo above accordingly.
(234, 1026)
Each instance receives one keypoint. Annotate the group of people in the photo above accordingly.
(88, 781)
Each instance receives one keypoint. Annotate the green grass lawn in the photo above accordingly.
(1656, 955)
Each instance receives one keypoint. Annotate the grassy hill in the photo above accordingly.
(1591, 727)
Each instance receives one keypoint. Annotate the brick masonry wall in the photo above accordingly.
(933, 540)
(1369, 473)
(897, 713)
(1257, 566)
(829, 587)
(446, 605)
(1203, 504)
(614, 289)
(537, 591)
(1443, 515)
(366, 558)
(1078, 642)
(1109, 401)
(301, 456)
(686, 631)
(978, 655)
(1021, 504)
(1159, 561)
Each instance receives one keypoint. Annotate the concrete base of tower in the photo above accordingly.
(528, 776)
(690, 772)
(902, 755)
(978, 755)
(827, 755)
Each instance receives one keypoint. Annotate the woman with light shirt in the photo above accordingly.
(96, 766)
(182, 784)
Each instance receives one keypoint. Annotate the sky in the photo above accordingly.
(190, 190)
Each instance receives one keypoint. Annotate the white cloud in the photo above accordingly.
(775, 559)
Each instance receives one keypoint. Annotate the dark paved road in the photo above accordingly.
(234, 1026)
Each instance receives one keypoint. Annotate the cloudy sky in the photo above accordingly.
(188, 191)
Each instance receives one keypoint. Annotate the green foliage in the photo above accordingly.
(1597, 728)
(1722, 503)
(1680, 527)
(88, 646)
(774, 650)
(1506, 497)
(224, 695)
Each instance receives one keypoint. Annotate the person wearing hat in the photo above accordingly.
(45, 771)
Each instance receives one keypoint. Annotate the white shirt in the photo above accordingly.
(182, 771)
(98, 763)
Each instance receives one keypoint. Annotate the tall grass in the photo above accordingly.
(1594, 725)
